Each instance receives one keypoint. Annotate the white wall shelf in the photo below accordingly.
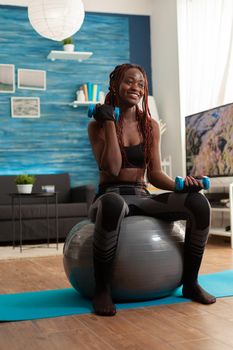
(76, 104)
(221, 209)
(66, 55)
(221, 231)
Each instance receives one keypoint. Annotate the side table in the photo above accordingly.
(22, 196)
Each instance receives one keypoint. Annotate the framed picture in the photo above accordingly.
(7, 78)
(31, 79)
(25, 107)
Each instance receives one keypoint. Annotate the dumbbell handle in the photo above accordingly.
(91, 111)
(180, 182)
(92, 108)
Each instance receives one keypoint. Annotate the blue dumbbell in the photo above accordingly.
(92, 109)
(180, 182)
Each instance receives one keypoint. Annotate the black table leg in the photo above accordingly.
(47, 213)
(13, 219)
(20, 225)
(56, 208)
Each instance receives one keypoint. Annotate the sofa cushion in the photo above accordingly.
(39, 211)
(61, 183)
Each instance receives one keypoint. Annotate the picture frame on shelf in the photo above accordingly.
(31, 79)
(25, 107)
(7, 78)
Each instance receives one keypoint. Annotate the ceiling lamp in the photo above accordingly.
(56, 19)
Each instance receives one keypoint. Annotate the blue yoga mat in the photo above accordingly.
(63, 302)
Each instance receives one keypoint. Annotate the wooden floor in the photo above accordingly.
(181, 326)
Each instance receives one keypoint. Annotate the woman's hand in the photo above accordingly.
(103, 113)
(191, 185)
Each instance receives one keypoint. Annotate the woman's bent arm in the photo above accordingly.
(155, 174)
(111, 159)
(106, 147)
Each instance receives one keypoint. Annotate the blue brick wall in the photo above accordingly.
(57, 141)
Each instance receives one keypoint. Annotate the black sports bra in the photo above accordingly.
(133, 156)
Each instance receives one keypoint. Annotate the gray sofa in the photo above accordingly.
(73, 204)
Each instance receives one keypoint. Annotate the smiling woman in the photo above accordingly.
(132, 87)
(126, 149)
(128, 87)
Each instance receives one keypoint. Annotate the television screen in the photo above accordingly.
(209, 142)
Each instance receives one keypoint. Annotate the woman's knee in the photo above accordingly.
(198, 204)
(112, 207)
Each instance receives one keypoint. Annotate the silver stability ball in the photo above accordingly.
(148, 262)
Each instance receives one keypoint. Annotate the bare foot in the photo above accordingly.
(198, 294)
(103, 304)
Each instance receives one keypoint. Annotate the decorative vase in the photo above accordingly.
(80, 96)
(25, 188)
(68, 47)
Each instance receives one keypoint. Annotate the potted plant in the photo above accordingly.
(68, 44)
(25, 182)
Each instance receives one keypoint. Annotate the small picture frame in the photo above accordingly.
(25, 107)
(31, 79)
(7, 78)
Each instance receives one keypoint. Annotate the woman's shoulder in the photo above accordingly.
(155, 126)
(154, 123)
(155, 132)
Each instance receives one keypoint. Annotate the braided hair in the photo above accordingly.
(142, 116)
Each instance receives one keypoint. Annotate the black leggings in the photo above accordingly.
(114, 202)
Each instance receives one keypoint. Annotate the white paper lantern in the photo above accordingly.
(56, 19)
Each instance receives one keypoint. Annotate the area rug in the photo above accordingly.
(63, 302)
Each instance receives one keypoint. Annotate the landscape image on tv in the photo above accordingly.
(209, 142)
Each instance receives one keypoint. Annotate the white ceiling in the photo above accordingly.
(14, 2)
(136, 7)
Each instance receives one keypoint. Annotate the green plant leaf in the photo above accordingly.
(25, 179)
(68, 41)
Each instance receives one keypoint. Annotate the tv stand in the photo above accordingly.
(222, 215)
